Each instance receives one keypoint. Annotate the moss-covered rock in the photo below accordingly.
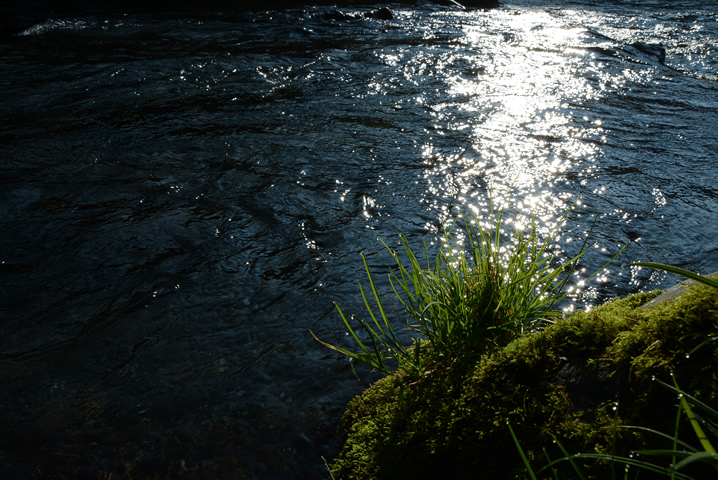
(563, 382)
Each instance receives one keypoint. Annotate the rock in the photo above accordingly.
(653, 49)
(380, 14)
(336, 15)
(675, 291)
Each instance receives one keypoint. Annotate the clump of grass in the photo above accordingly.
(476, 295)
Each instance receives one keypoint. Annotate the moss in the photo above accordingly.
(563, 382)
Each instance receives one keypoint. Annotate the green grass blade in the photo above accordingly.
(553, 470)
(365, 359)
(705, 457)
(702, 438)
(375, 357)
(329, 470)
(713, 339)
(389, 332)
(521, 452)
(659, 434)
(570, 459)
(677, 271)
(613, 444)
(699, 405)
(665, 453)
(675, 437)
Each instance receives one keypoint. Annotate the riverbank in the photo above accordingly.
(582, 382)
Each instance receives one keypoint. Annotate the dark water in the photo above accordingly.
(183, 196)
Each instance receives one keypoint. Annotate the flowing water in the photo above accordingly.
(183, 196)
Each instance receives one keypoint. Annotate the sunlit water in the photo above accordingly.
(183, 198)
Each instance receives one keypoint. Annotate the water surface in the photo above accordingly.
(183, 196)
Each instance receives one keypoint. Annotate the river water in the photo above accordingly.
(183, 196)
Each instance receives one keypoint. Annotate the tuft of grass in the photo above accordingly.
(477, 294)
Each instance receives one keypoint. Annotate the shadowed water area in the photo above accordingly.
(184, 195)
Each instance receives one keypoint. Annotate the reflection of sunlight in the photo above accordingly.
(519, 120)
(512, 121)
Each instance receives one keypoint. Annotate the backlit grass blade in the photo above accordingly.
(386, 331)
(705, 443)
(677, 271)
(373, 358)
(694, 419)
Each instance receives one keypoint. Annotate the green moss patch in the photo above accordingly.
(574, 381)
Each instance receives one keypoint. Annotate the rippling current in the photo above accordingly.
(184, 195)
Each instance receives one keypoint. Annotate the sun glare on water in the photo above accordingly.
(509, 119)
